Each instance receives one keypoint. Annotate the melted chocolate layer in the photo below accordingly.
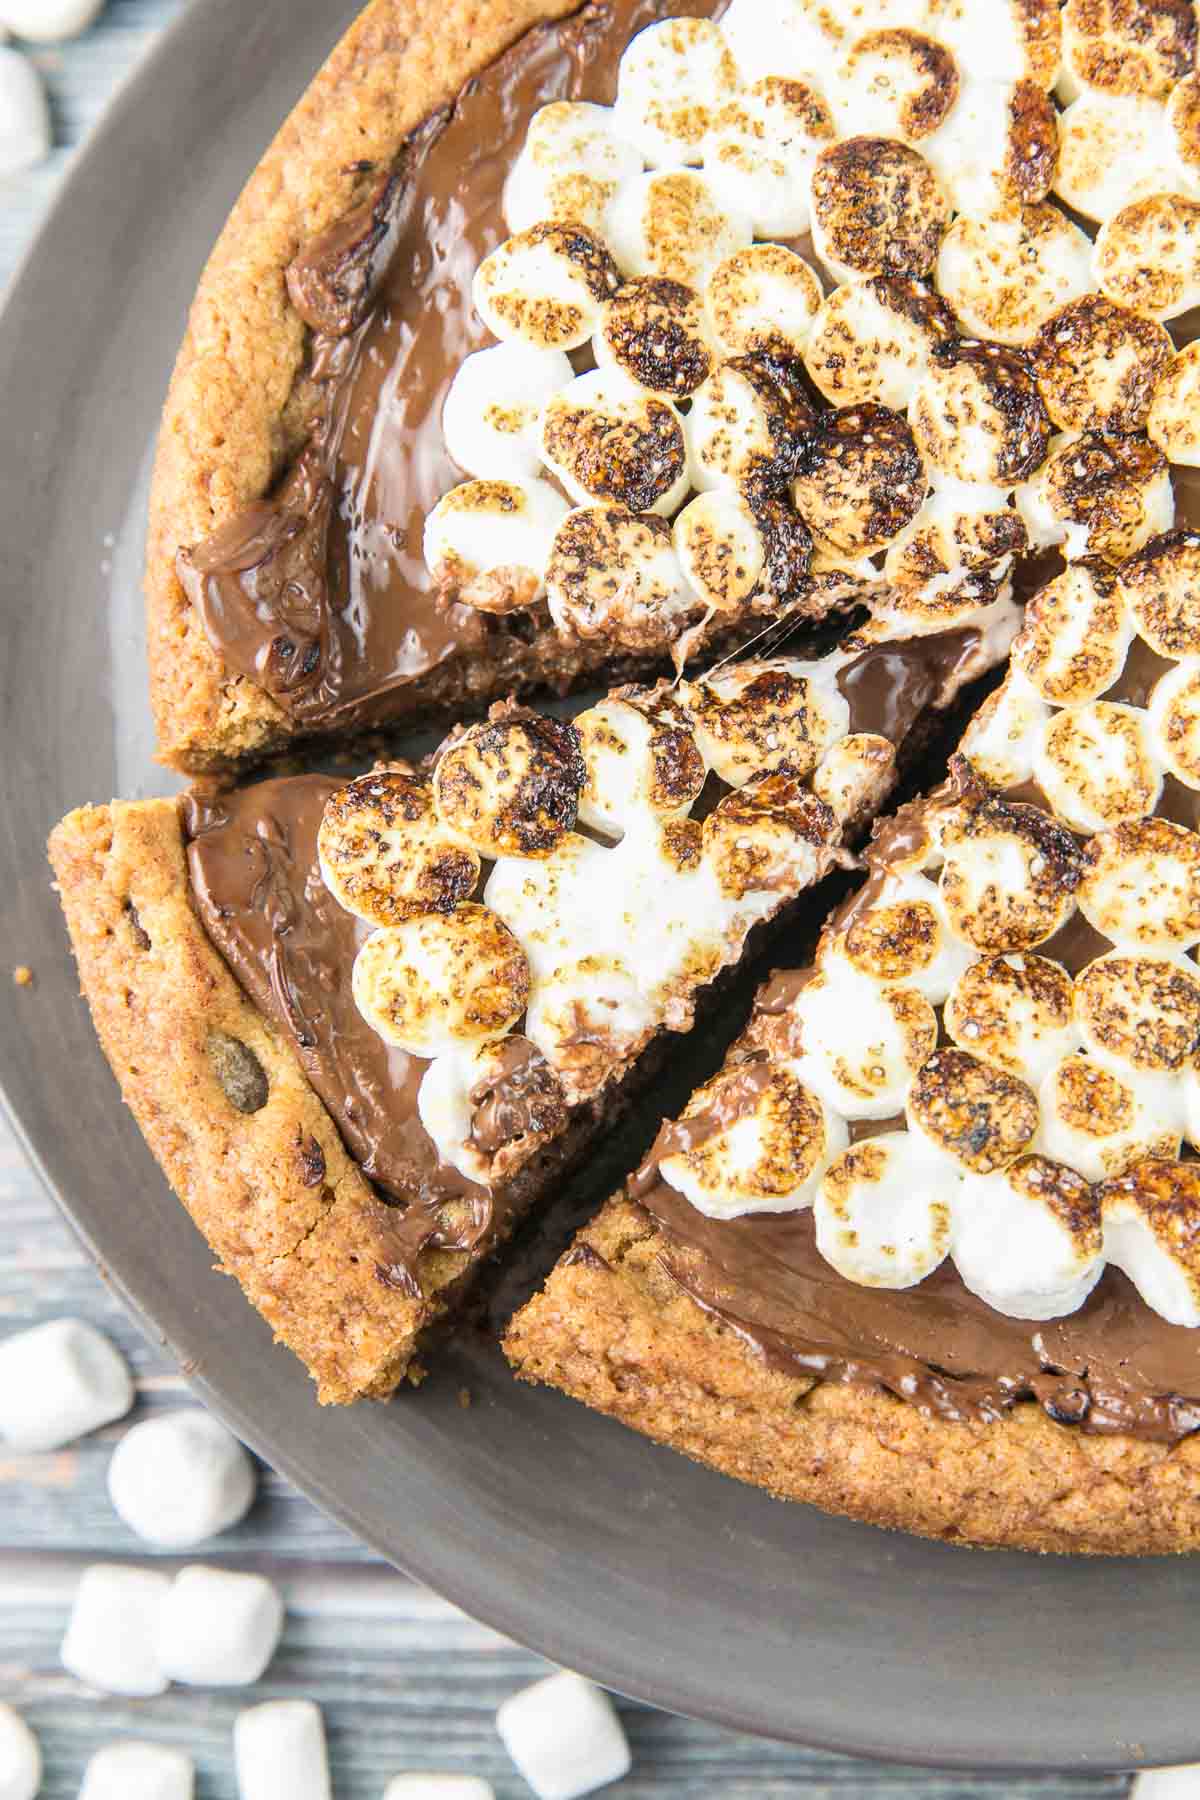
(320, 594)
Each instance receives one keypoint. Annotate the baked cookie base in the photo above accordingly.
(611, 1328)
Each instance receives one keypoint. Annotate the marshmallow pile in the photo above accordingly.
(608, 905)
(133, 1631)
(691, 474)
(944, 1085)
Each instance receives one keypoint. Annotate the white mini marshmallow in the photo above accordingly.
(279, 1752)
(218, 1628)
(1174, 715)
(860, 1043)
(1022, 37)
(181, 1478)
(134, 1771)
(1097, 764)
(491, 415)
(1001, 740)
(672, 222)
(883, 1211)
(760, 154)
(1147, 256)
(24, 113)
(791, 38)
(1027, 1239)
(545, 286)
(490, 540)
(565, 1737)
(1151, 1230)
(871, 340)
(720, 549)
(438, 1787)
(112, 1636)
(1005, 274)
(1074, 639)
(673, 79)
(895, 84)
(1100, 1123)
(20, 1758)
(608, 440)
(47, 21)
(58, 1381)
(572, 163)
(1174, 421)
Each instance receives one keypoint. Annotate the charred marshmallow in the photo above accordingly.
(545, 286)
(510, 786)
(998, 147)
(752, 720)
(1099, 496)
(606, 439)
(654, 330)
(978, 416)
(1098, 364)
(895, 83)
(1161, 587)
(976, 1117)
(883, 1211)
(1117, 148)
(635, 763)
(386, 856)
(1009, 876)
(906, 936)
(614, 574)
(877, 209)
(1174, 715)
(863, 480)
(487, 542)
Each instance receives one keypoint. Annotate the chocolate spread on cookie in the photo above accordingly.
(320, 593)
(252, 859)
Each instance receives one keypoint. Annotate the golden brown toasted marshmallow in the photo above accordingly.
(1174, 418)
(386, 856)
(1151, 1220)
(861, 480)
(1010, 875)
(896, 83)
(1004, 275)
(750, 721)
(1141, 885)
(978, 415)
(1075, 636)
(1161, 587)
(763, 299)
(769, 834)
(1017, 1011)
(1147, 255)
(1099, 496)
(1139, 48)
(510, 786)
(1098, 365)
(1097, 764)
(872, 338)
(978, 1116)
(1140, 1011)
(877, 209)
(442, 980)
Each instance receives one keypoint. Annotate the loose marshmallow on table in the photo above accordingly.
(20, 1758)
(179, 1479)
(438, 1787)
(218, 1628)
(564, 1736)
(279, 1751)
(134, 1771)
(48, 21)
(58, 1381)
(1179, 1783)
(113, 1632)
(24, 113)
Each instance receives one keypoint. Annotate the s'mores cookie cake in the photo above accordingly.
(779, 368)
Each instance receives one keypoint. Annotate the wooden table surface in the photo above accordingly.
(406, 1681)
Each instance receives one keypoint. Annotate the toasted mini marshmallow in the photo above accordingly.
(1027, 1238)
(545, 286)
(770, 836)
(608, 440)
(894, 83)
(856, 775)
(1174, 418)
(1097, 765)
(491, 414)
(761, 150)
(573, 160)
(877, 209)
(1003, 736)
(510, 785)
(997, 148)
(904, 936)
(871, 340)
(858, 1044)
(1140, 1013)
(489, 541)
(1004, 275)
(1099, 496)
(385, 855)
(672, 222)
(949, 568)
(975, 1115)
(733, 425)
(615, 574)
(1161, 587)
(862, 481)
(1141, 885)
(752, 719)
(1130, 47)
(1147, 256)
(883, 1211)
(720, 549)
(1009, 876)
(1098, 364)
(1174, 715)
(441, 980)
(1151, 1216)
(635, 764)
(978, 415)
(771, 1141)
(1017, 1011)
(1076, 634)
(655, 331)
(1100, 1123)
(1113, 149)
(763, 299)
(1023, 38)
(673, 80)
